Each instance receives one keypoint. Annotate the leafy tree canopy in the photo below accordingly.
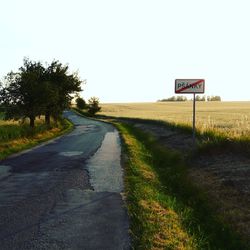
(35, 90)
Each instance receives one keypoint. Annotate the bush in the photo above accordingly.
(93, 105)
(80, 103)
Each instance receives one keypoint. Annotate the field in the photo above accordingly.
(230, 118)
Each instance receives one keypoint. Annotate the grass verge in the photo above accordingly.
(166, 210)
(15, 138)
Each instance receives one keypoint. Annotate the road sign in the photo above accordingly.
(189, 86)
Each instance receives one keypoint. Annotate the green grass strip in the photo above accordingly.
(166, 210)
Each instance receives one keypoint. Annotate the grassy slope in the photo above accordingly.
(166, 210)
(15, 138)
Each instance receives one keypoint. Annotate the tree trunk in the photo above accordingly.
(32, 121)
(47, 118)
(55, 117)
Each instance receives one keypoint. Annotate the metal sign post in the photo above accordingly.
(194, 120)
(190, 86)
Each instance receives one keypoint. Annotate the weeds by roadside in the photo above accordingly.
(166, 210)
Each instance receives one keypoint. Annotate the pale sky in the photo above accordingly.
(133, 50)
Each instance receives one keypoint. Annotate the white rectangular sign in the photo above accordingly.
(185, 86)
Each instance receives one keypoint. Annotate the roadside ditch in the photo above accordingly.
(222, 174)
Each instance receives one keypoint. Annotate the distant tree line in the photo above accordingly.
(214, 98)
(180, 98)
(200, 98)
(207, 98)
(38, 90)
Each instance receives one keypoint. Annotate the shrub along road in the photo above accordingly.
(65, 193)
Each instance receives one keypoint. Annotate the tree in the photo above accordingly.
(80, 103)
(181, 98)
(93, 105)
(214, 98)
(203, 98)
(217, 98)
(60, 87)
(200, 98)
(36, 90)
(23, 95)
(197, 98)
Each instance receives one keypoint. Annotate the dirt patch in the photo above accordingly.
(231, 169)
(222, 174)
(230, 203)
(168, 137)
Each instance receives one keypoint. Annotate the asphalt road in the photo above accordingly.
(65, 194)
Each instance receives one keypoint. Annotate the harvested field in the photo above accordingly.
(230, 118)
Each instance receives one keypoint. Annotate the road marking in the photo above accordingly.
(71, 153)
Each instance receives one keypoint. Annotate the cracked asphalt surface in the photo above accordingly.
(65, 194)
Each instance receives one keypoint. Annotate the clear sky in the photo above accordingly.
(132, 50)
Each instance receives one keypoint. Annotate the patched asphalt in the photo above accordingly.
(66, 194)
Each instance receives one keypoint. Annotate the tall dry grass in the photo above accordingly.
(11, 130)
